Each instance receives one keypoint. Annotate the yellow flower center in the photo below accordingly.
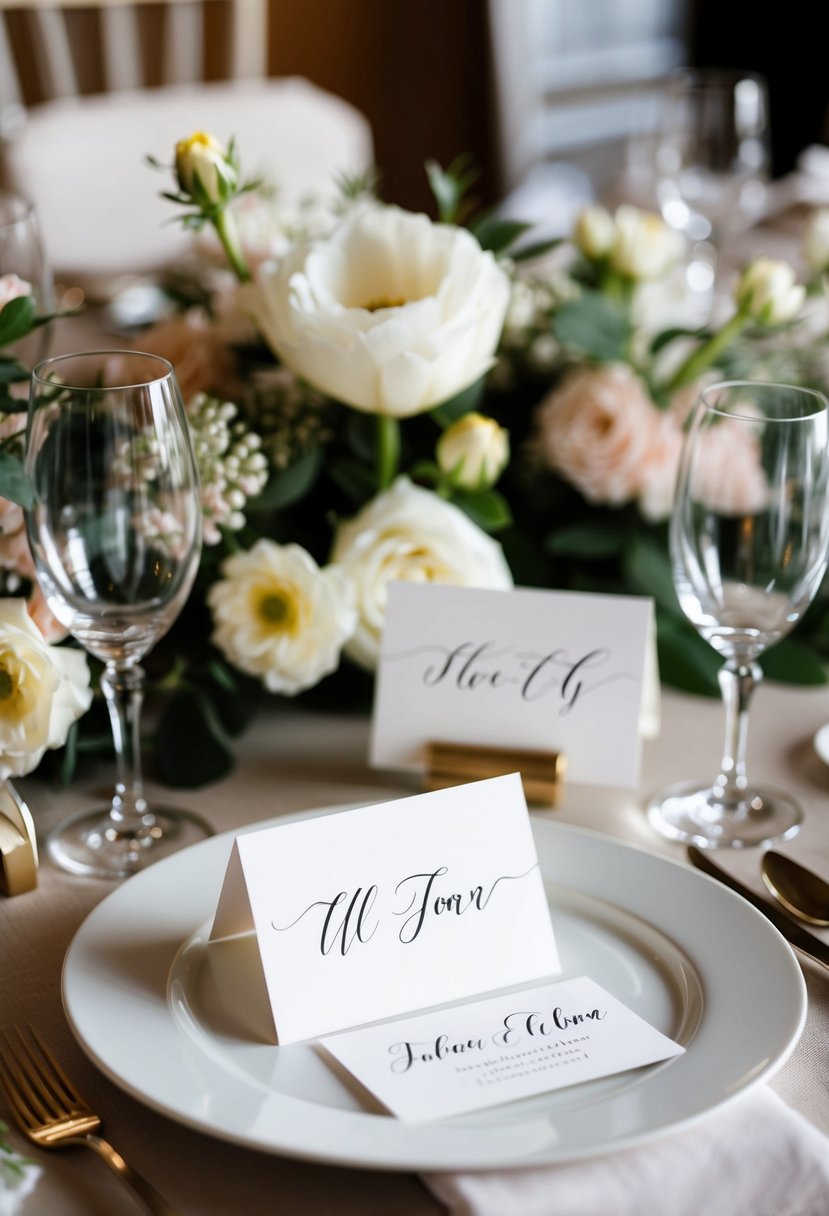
(384, 302)
(277, 610)
(200, 139)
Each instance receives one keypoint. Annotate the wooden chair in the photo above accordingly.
(89, 87)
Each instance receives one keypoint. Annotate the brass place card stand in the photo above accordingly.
(18, 848)
(542, 773)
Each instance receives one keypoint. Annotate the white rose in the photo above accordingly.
(816, 240)
(43, 689)
(473, 452)
(278, 616)
(768, 292)
(392, 314)
(203, 169)
(645, 247)
(12, 287)
(409, 534)
(594, 232)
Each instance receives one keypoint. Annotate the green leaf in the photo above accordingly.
(685, 660)
(486, 508)
(14, 480)
(536, 249)
(586, 540)
(647, 571)
(11, 371)
(16, 319)
(354, 479)
(190, 746)
(794, 662)
(667, 336)
(291, 485)
(450, 186)
(69, 758)
(594, 325)
(496, 235)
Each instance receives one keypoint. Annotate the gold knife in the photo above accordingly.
(804, 941)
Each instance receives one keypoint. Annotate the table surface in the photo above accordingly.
(292, 760)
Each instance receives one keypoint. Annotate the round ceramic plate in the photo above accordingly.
(687, 955)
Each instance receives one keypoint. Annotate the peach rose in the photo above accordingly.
(659, 469)
(728, 476)
(596, 430)
(202, 362)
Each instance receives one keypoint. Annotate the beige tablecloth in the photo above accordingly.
(294, 760)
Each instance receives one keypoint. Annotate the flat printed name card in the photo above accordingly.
(538, 670)
(371, 913)
(512, 1046)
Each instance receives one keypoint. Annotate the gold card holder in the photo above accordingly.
(18, 847)
(542, 773)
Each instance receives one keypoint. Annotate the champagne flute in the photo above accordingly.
(712, 163)
(115, 531)
(749, 543)
(21, 254)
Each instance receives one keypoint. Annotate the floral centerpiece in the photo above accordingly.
(375, 395)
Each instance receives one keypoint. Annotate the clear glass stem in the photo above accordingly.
(123, 689)
(737, 683)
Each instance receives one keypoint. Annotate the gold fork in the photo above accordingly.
(50, 1112)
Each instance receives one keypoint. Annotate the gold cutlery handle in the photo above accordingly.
(149, 1197)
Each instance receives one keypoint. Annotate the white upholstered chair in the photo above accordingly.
(79, 156)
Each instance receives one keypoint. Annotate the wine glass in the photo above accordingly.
(21, 253)
(712, 163)
(115, 531)
(749, 542)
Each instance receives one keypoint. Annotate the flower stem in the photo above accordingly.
(388, 450)
(226, 231)
(705, 355)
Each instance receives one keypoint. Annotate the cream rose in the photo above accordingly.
(278, 616)
(43, 690)
(594, 232)
(816, 240)
(392, 314)
(473, 452)
(596, 430)
(409, 534)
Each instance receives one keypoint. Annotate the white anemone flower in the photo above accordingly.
(410, 534)
(392, 314)
(280, 617)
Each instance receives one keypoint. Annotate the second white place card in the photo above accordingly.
(538, 670)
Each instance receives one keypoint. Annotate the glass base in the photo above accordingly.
(93, 844)
(694, 814)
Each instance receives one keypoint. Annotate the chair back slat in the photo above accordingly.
(250, 42)
(121, 48)
(11, 100)
(53, 52)
(183, 43)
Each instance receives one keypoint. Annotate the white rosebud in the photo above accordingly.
(645, 247)
(594, 232)
(203, 169)
(768, 292)
(473, 452)
(816, 241)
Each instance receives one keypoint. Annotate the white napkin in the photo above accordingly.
(758, 1157)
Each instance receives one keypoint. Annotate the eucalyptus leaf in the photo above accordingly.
(14, 480)
(496, 235)
(586, 540)
(190, 745)
(647, 571)
(354, 479)
(11, 371)
(290, 485)
(794, 662)
(487, 508)
(594, 325)
(685, 660)
(17, 318)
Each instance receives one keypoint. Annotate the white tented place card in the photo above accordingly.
(540, 670)
(374, 912)
(451, 1061)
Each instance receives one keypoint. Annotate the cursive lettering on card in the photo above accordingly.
(471, 666)
(422, 904)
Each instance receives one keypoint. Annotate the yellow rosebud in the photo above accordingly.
(473, 452)
(203, 169)
(767, 292)
(594, 232)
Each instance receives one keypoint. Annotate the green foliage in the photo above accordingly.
(595, 326)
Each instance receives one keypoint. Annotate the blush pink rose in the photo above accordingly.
(596, 430)
(728, 477)
(202, 362)
(657, 481)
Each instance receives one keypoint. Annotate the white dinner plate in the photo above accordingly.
(681, 950)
